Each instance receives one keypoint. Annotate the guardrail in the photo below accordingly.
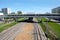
(33, 15)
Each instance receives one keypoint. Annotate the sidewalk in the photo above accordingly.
(26, 34)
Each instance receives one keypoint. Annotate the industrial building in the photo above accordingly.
(56, 10)
(1, 16)
(6, 11)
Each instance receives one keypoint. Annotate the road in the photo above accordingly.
(23, 31)
(11, 33)
(27, 33)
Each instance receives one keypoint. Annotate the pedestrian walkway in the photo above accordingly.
(27, 33)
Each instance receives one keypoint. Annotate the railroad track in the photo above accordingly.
(38, 33)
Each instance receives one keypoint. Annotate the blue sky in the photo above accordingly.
(30, 5)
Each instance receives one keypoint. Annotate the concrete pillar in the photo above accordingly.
(16, 19)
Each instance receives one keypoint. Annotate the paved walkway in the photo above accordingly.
(31, 31)
(22, 31)
(27, 33)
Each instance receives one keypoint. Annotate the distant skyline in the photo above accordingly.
(41, 6)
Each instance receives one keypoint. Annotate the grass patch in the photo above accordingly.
(21, 19)
(42, 25)
(55, 28)
(44, 19)
(7, 26)
(4, 26)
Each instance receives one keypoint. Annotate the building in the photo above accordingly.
(6, 11)
(1, 16)
(13, 13)
(19, 12)
(56, 10)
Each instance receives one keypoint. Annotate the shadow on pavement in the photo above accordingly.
(29, 21)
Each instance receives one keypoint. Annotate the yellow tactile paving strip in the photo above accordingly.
(27, 32)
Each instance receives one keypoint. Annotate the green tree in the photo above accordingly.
(19, 12)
